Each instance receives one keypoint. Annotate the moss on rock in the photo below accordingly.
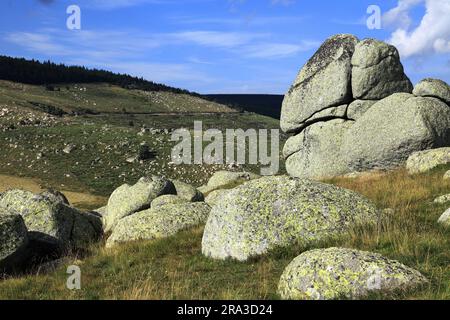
(159, 222)
(127, 199)
(335, 273)
(13, 240)
(277, 211)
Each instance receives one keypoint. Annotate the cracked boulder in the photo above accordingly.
(316, 151)
(377, 71)
(340, 273)
(277, 211)
(52, 225)
(323, 83)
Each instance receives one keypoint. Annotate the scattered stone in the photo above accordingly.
(377, 71)
(126, 199)
(445, 218)
(433, 88)
(337, 273)
(13, 240)
(69, 148)
(442, 199)
(276, 211)
(423, 161)
(159, 222)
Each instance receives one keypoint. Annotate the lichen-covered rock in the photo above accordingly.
(227, 179)
(377, 71)
(159, 222)
(276, 211)
(339, 273)
(13, 240)
(358, 107)
(423, 161)
(433, 88)
(127, 199)
(215, 196)
(49, 220)
(167, 199)
(316, 151)
(442, 199)
(102, 211)
(394, 128)
(324, 82)
(187, 191)
(445, 218)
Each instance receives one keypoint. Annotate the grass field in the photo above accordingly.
(174, 268)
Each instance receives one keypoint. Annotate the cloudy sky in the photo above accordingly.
(220, 46)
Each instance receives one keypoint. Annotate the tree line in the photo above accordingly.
(48, 73)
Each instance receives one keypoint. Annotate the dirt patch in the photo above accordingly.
(77, 199)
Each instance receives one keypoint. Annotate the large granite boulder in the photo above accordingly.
(339, 273)
(423, 161)
(277, 211)
(160, 222)
(377, 71)
(433, 88)
(316, 151)
(323, 83)
(351, 109)
(50, 222)
(167, 199)
(394, 128)
(13, 241)
(126, 199)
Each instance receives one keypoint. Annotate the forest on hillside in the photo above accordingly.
(48, 73)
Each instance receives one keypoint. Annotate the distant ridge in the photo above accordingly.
(48, 73)
(264, 104)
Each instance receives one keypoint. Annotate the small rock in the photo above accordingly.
(423, 161)
(443, 199)
(445, 218)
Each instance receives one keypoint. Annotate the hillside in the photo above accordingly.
(49, 73)
(101, 98)
(265, 104)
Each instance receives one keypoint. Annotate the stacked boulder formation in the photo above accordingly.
(353, 109)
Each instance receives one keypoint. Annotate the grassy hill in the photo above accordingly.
(265, 104)
(101, 98)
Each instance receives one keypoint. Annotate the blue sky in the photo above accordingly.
(220, 46)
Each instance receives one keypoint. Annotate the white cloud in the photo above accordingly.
(278, 50)
(399, 16)
(432, 35)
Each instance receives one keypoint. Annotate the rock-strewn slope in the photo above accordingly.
(337, 273)
(268, 212)
(352, 108)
